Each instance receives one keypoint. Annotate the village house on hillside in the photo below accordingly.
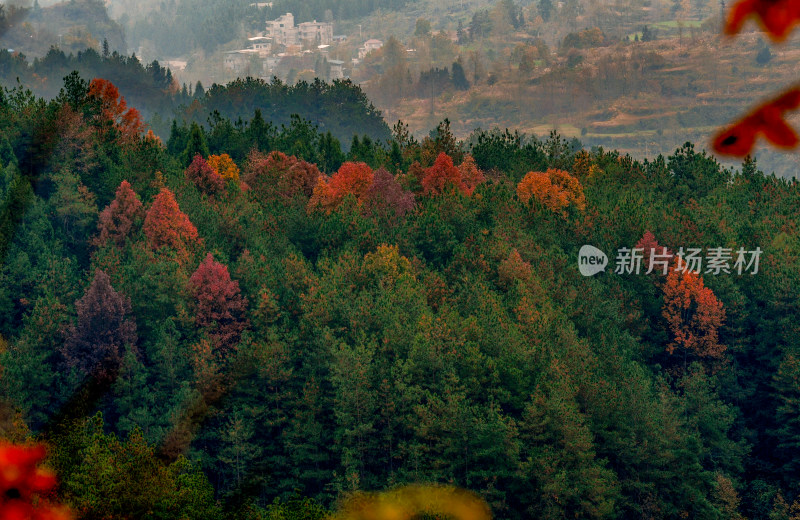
(369, 46)
(320, 32)
(336, 69)
(262, 44)
(283, 31)
(241, 61)
(290, 51)
(249, 61)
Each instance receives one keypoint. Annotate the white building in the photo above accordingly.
(249, 60)
(320, 32)
(262, 44)
(337, 69)
(369, 46)
(240, 61)
(284, 32)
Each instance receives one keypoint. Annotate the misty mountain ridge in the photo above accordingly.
(73, 26)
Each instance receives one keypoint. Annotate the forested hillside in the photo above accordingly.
(244, 322)
(340, 107)
(176, 28)
(73, 26)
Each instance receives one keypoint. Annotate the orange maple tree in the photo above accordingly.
(352, 178)
(554, 189)
(114, 109)
(224, 166)
(693, 313)
(165, 225)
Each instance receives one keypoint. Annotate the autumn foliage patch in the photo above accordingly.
(114, 109)
(554, 189)
(24, 484)
(167, 226)
(694, 315)
(204, 176)
(116, 221)
(329, 334)
(224, 166)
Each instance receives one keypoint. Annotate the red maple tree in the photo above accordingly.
(165, 225)
(204, 176)
(352, 178)
(442, 174)
(219, 307)
(117, 220)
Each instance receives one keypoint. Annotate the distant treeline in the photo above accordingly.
(148, 87)
(340, 108)
(75, 25)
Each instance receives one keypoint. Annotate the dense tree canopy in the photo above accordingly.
(411, 312)
(303, 113)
